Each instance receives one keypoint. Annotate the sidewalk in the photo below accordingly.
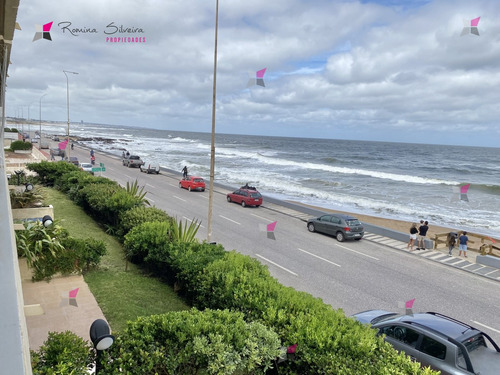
(48, 308)
(441, 255)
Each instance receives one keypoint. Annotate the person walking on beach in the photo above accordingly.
(184, 172)
(450, 241)
(422, 232)
(462, 244)
(413, 236)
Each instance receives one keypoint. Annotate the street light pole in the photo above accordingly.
(40, 140)
(212, 148)
(67, 101)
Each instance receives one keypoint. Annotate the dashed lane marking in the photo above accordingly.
(276, 264)
(484, 325)
(179, 198)
(357, 252)
(230, 220)
(317, 256)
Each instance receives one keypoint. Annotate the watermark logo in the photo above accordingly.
(258, 80)
(461, 192)
(269, 229)
(470, 27)
(69, 298)
(43, 32)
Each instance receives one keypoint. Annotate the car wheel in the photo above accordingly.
(129, 165)
(243, 204)
(340, 237)
(228, 198)
(202, 189)
(180, 185)
(357, 239)
(310, 227)
(189, 188)
(157, 172)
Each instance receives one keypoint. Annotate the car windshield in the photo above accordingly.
(134, 157)
(474, 342)
(255, 195)
(86, 165)
(198, 180)
(353, 222)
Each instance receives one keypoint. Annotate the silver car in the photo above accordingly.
(86, 167)
(438, 341)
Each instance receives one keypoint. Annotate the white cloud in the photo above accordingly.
(369, 70)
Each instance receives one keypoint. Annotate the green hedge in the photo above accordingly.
(193, 342)
(63, 353)
(49, 173)
(20, 145)
(138, 215)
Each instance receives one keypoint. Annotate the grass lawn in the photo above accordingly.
(122, 295)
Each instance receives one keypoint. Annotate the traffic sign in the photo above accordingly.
(101, 165)
(96, 169)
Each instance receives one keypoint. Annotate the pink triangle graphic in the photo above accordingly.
(409, 304)
(73, 293)
(260, 73)
(270, 227)
(463, 189)
(475, 22)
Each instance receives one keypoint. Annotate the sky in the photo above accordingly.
(397, 71)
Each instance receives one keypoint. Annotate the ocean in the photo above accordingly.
(400, 181)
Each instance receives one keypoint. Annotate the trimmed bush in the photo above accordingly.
(49, 173)
(20, 145)
(145, 238)
(63, 354)
(88, 252)
(138, 215)
(193, 342)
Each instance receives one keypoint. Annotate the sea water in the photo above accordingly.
(400, 181)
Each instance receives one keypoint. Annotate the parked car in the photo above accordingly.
(343, 227)
(438, 341)
(55, 139)
(192, 183)
(87, 167)
(246, 197)
(132, 161)
(149, 167)
(74, 160)
(44, 145)
(57, 152)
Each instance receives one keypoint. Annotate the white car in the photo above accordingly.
(86, 167)
(150, 167)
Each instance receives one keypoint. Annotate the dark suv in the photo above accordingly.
(343, 227)
(438, 341)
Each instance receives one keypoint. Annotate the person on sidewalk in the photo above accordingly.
(413, 236)
(462, 244)
(184, 172)
(451, 240)
(422, 232)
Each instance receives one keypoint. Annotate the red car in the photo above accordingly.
(245, 197)
(192, 183)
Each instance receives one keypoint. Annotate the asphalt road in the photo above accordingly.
(353, 276)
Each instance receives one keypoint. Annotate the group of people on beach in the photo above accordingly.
(421, 231)
(451, 239)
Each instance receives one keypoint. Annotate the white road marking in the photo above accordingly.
(229, 219)
(277, 265)
(173, 185)
(190, 220)
(490, 272)
(204, 196)
(357, 252)
(317, 256)
(263, 218)
(126, 175)
(150, 200)
(179, 198)
(485, 326)
(150, 185)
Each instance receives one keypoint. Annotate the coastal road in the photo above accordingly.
(353, 276)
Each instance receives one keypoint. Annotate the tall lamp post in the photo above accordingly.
(212, 148)
(67, 101)
(40, 145)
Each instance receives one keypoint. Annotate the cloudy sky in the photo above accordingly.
(365, 70)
